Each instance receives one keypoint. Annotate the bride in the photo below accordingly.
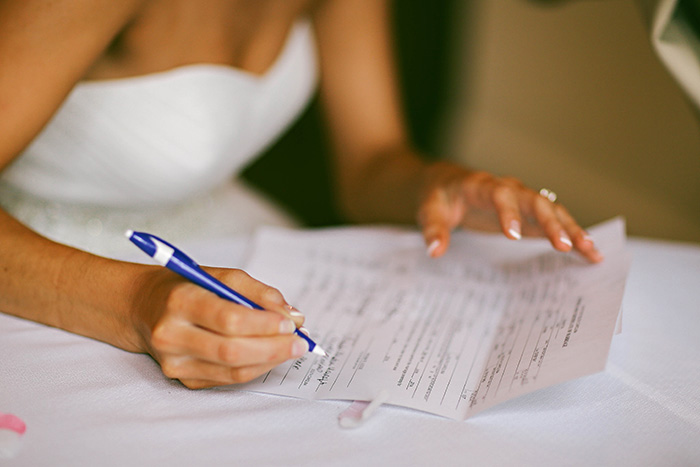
(138, 114)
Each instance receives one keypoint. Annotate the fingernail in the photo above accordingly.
(514, 230)
(433, 246)
(287, 326)
(564, 238)
(300, 347)
(293, 312)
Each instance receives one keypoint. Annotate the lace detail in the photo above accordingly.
(231, 209)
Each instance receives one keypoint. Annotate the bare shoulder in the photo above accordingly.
(46, 47)
(43, 26)
(339, 12)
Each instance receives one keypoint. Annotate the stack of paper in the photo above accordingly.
(492, 320)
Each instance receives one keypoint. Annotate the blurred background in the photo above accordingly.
(563, 94)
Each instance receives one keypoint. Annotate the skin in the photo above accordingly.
(195, 336)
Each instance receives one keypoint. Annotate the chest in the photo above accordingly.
(161, 138)
(247, 35)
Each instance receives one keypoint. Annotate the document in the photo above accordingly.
(491, 320)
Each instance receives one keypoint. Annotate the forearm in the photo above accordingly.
(378, 176)
(66, 288)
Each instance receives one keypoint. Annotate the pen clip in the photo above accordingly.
(166, 251)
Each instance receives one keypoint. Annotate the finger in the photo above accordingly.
(232, 351)
(505, 200)
(197, 374)
(230, 319)
(264, 295)
(436, 222)
(581, 240)
(546, 216)
(588, 249)
(200, 383)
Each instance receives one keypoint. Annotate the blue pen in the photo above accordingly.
(169, 256)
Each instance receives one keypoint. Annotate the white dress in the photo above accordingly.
(159, 153)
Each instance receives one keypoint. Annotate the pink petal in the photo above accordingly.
(12, 422)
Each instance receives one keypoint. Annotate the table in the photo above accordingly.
(87, 403)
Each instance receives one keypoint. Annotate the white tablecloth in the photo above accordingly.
(86, 403)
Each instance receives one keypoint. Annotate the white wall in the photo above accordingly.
(571, 96)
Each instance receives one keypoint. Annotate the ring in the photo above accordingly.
(549, 194)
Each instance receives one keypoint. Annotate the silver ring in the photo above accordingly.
(549, 194)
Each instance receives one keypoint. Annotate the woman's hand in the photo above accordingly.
(453, 196)
(203, 340)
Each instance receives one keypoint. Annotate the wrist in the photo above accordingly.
(144, 295)
(387, 189)
(115, 298)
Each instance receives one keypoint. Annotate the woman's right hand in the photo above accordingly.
(205, 341)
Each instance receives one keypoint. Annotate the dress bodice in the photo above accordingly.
(155, 143)
(166, 136)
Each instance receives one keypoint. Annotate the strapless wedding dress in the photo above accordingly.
(159, 153)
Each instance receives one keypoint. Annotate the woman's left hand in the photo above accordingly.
(454, 197)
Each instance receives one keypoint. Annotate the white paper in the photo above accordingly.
(491, 320)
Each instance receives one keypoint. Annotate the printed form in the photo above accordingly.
(491, 320)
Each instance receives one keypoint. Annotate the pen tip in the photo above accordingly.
(319, 351)
(129, 233)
